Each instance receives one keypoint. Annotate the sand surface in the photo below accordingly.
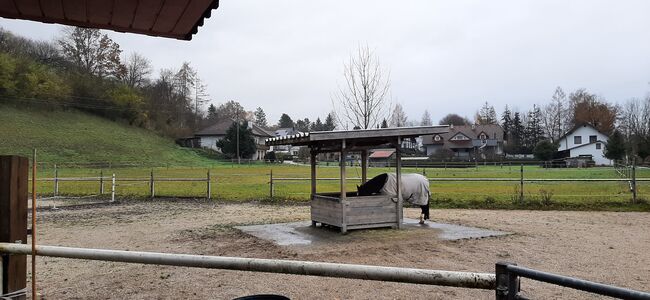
(607, 247)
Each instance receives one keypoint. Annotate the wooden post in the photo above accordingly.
(634, 192)
(398, 173)
(364, 166)
(209, 186)
(313, 174)
(152, 185)
(56, 181)
(14, 177)
(113, 188)
(344, 202)
(271, 184)
(521, 185)
(101, 182)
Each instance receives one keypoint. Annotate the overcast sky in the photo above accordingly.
(443, 56)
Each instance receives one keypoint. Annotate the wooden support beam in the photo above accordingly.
(14, 176)
(344, 225)
(398, 173)
(312, 162)
(364, 166)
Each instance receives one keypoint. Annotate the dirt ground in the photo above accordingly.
(607, 247)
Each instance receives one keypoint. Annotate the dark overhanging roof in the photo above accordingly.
(177, 19)
(363, 137)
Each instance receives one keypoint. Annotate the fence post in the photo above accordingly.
(14, 182)
(152, 185)
(113, 188)
(521, 185)
(209, 187)
(634, 192)
(507, 285)
(271, 184)
(56, 181)
(101, 182)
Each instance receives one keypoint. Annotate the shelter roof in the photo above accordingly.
(177, 19)
(362, 137)
(383, 153)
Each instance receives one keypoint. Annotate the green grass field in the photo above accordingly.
(74, 137)
(251, 182)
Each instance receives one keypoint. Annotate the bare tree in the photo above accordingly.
(398, 117)
(426, 119)
(363, 101)
(138, 69)
(556, 116)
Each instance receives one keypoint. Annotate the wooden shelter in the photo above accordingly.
(345, 209)
(177, 19)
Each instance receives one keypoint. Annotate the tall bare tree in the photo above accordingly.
(556, 116)
(363, 100)
(426, 119)
(138, 70)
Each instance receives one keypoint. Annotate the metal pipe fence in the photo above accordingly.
(351, 271)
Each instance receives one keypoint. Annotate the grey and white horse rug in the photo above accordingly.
(414, 187)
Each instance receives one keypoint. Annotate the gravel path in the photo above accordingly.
(607, 247)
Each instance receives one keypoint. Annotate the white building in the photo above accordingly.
(210, 135)
(584, 140)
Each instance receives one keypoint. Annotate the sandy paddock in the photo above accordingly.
(607, 247)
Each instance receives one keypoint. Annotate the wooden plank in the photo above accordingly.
(193, 12)
(75, 10)
(146, 14)
(14, 175)
(124, 10)
(29, 7)
(375, 225)
(169, 15)
(100, 12)
(374, 211)
(371, 220)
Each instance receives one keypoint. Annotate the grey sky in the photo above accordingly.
(444, 56)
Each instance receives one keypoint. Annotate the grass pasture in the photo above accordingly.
(251, 182)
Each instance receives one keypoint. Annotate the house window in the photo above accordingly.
(483, 136)
(592, 139)
(597, 145)
(459, 137)
(437, 138)
(577, 140)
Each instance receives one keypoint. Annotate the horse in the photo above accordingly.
(414, 187)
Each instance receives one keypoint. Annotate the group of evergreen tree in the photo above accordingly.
(522, 134)
(305, 125)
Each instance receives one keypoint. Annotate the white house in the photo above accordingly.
(210, 135)
(585, 140)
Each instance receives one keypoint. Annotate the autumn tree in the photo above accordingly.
(591, 109)
(231, 110)
(92, 52)
(363, 100)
